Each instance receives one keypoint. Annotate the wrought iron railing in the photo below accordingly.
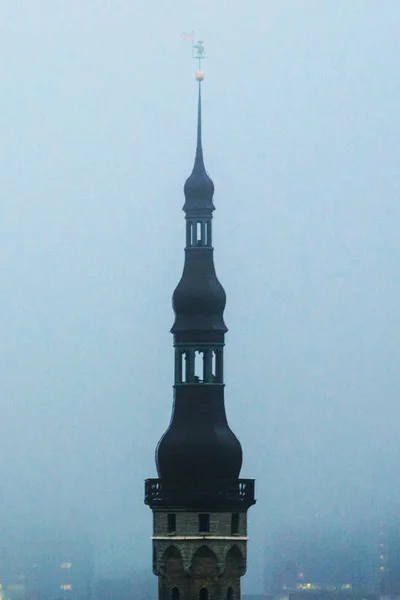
(238, 492)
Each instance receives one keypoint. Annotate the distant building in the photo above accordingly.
(47, 571)
(312, 560)
(362, 561)
(389, 558)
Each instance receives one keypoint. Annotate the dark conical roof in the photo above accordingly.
(199, 188)
(198, 444)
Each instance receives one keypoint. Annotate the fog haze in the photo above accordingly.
(301, 130)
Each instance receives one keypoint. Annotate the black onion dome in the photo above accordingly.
(199, 299)
(198, 445)
(199, 187)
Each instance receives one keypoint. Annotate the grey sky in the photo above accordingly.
(301, 130)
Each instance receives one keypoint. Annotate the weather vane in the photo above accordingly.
(197, 53)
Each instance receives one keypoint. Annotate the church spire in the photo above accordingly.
(199, 449)
(199, 501)
(199, 187)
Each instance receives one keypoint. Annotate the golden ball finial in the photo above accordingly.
(199, 75)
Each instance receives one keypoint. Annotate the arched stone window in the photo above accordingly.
(204, 594)
(175, 593)
(229, 594)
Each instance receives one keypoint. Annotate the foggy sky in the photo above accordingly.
(301, 130)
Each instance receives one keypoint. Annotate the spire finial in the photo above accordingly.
(198, 54)
(199, 188)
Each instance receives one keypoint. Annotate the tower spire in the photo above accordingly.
(199, 188)
(199, 174)
(199, 501)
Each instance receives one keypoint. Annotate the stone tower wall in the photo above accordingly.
(192, 565)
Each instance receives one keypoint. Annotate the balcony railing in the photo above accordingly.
(236, 493)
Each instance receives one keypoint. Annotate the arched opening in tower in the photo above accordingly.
(204, 595)
(175, 593)
(199, 366)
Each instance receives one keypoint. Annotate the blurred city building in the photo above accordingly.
(46, 571)
(326, 560)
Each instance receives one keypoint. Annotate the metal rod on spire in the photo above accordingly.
(199, 149)
(199, 56)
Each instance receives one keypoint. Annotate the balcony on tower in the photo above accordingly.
(229, 493)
